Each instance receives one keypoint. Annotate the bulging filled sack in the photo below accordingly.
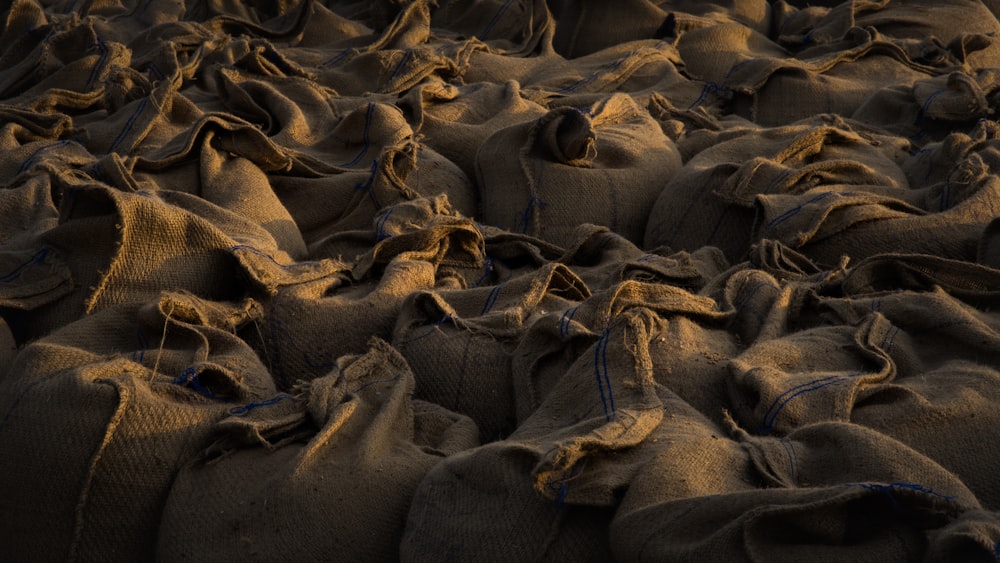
(98, 417)
(328, 472)
(604, 164)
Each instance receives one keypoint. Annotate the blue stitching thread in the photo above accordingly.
(753, 291)
(407, 56)
(31, 158)
(486, 272)
(565, 322)
(335, 59)
(369, 184)
(190, 379)
(603, 379)
(243, 410)
(491, 299)
(890, 337)
(380, 233)
(496, 18)
(364, 137)
(793, 461)
(103, 48)
(706, 90)
(772, 412)
(37, 259)
(600, 71)
(262, 254)
(945, 196)
(922, 114)
(129, 124)
(138, 355)
(888, 489)
(791, 212)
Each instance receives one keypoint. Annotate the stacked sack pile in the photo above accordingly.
(499, 280)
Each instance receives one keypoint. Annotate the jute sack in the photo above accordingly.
(459, 342)
(547, 491)
(456, 120)
(639, 68)
(398, 57)
(515, 29)
(827, 491)
(602, 165)
(104, 413)
(370, 161)
(941, 337)
(710, 201)
(589, 26)
(328, 472)
(559, 339)
(124, 247)
(909, 23)
(769, 85)
(602, 259)
(826, 223)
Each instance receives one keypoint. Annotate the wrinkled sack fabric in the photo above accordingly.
(500, 280)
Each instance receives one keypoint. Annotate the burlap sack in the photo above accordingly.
(456, 120)
(710, 201)
(123, 247)
(590, 26)
(602, 165)
(370, 161)
(558, 340)
(97, 418)
(945, 216)
(519, 28)
(640, 68)
(603, 259)
(547, 491)
(328, 473)
(459, 342)
(826, 492)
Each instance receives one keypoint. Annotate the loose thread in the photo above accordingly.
(163, 340)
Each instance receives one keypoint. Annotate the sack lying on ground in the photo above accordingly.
(327, 472)
(99, 416)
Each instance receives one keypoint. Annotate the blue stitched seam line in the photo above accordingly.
(364, 137)
(753, 291)
(491, 299)
(380, 233)
(190, 379)
(103, 48)
(601, 373)
(890, 336)
(129, 124)
(262, 254)
(335, 59)
(244, 409)
(369, 184)
(488, 269)
(601, 71)
(376, 382)
(922, 114)
(779, 403)
(407, 55)
(31, 158)
(495, 19)
(37, 258)
(566, 321)
(792, 212)
(138, 355)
